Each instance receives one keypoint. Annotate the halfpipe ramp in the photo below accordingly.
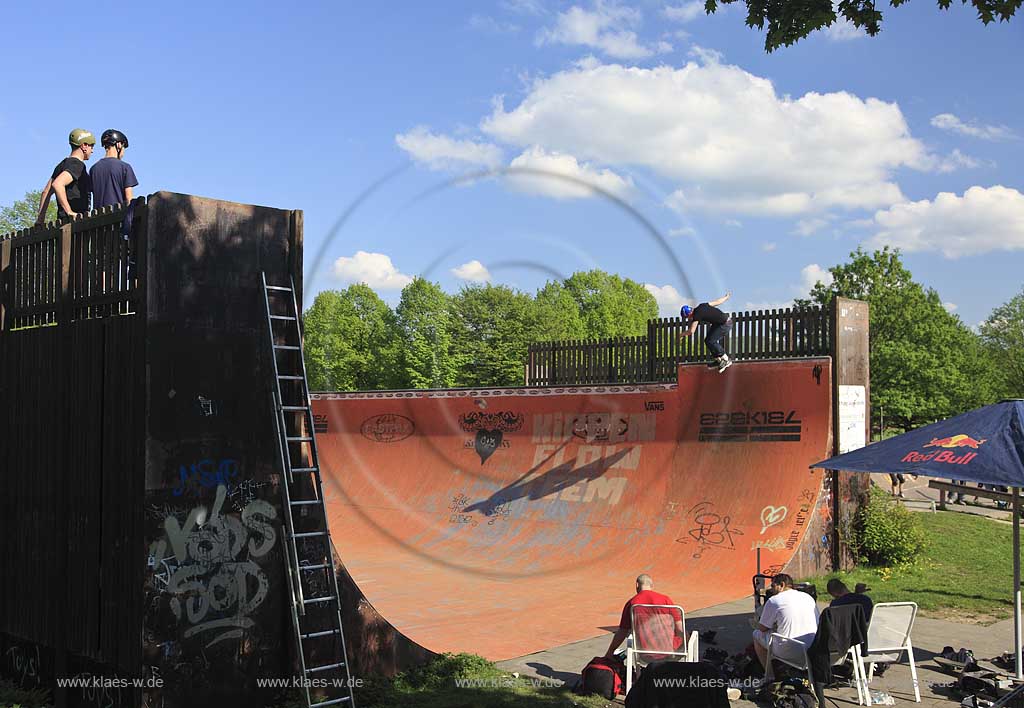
(506, 521)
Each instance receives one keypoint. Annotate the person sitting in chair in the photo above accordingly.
(646, 596)
(788, 612)
(838, 590)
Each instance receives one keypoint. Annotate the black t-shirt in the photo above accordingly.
(709, 313)
(79, 189)
(855, 598)
(109, 178)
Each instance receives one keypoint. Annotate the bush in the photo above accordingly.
(887, 533)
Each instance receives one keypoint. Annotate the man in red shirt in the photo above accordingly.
(661, 627)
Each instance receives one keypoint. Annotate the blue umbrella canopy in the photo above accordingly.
(985, 445)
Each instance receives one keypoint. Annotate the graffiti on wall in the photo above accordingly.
(709, 529)
(207, 567)
(490, 429)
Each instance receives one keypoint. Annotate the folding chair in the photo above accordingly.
(652, 638)
(793, 652)
(889, 636)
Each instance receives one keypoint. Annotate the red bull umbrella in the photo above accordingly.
(984, 445)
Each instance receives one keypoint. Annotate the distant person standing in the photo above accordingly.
(70, 182)
(719, 323)
(112, 178)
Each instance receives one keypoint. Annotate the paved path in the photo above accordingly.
(730, 621)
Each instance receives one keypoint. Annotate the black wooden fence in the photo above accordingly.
(72, 444)
(761, 334)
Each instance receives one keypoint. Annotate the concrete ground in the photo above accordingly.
(730, 621)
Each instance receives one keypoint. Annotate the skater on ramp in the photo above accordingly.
(719, 323)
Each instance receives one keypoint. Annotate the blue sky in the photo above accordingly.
(758, 171)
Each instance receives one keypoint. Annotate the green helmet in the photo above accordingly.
(79, 137)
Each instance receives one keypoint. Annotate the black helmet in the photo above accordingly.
(111, 137)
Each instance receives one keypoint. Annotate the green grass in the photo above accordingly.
(13, 697)
(435, 685)
(965, 571)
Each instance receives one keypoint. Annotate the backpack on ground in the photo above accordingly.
(604, 676)
(792, 693)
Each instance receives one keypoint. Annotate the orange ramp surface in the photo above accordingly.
(507, 521)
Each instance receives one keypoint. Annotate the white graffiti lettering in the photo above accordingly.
(206, 574)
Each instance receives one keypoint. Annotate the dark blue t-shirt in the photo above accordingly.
(110, 176)
(855, 598)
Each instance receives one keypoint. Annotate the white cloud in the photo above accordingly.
(950, 306)
(727, 140)
(956, 160)
(706, 56)
(486, 23)
(578, 175)
(766, 305)
(440, 152)
(842, 30)
(687, 12)
(473, 271)
(948, 121)
(982, 220)
(734, 223)
(810, 275)
(669, 299)
(806, 227)
(688, 231)
(604, 28)
(769, 247)
(523, 7)
(374, 269)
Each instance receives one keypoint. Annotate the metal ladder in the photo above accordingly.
(315, 602)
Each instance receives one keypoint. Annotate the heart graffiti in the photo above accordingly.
(487, 441)
(772, 515)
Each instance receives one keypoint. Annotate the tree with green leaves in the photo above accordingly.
(1003, 336)
(22, 213)
(427, 358)
(557, 314)
(493, 328)
(610, 306)
(925, 364)
(350, 341)
(789, 22)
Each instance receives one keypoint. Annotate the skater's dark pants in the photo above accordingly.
(715, 336)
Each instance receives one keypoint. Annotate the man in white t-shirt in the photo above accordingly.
(788, 612)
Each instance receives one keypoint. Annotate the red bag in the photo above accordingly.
(605, 677)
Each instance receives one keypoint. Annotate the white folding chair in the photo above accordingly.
(793, 652)
(888, 637)
(797, 658)
(652, 638)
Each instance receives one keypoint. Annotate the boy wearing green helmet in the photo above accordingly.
(70, 180)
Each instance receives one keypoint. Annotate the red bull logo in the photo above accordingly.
(956, 441)
(946, 455)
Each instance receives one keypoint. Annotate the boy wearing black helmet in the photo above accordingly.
(69, 182)
(719, 326)
(112, 177)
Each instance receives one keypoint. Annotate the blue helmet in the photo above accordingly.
(685, 311)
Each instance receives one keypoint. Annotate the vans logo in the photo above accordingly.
(654, 405)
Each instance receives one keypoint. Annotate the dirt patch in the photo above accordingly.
(962, 616)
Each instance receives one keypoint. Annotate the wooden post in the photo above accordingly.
(5, 285)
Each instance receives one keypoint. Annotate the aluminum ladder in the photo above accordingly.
(315, 601)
